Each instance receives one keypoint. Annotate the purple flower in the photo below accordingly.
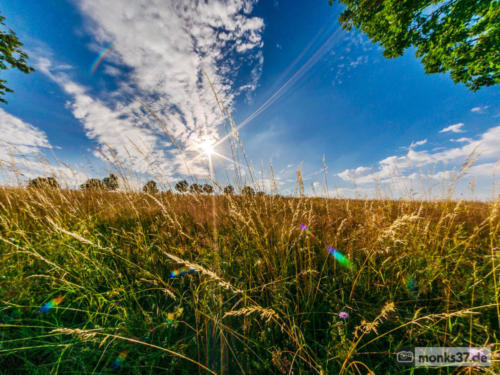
(343, 315)
(303, 226)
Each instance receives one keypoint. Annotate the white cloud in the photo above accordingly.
(408, 168)
(456, 128)
(19, 137)
(22, 153)
(480, 109)
(123, 133)
(462, 140)
(418, 143)
(112, 70)
(167, 46)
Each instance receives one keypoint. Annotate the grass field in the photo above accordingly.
(263, 296)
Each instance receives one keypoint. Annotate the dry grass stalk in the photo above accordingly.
(265, 313)
(204, 271)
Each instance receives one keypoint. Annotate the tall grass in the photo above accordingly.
(264, 298)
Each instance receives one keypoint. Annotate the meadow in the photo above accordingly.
(133, 283)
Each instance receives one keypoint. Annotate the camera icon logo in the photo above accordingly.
(405, 356)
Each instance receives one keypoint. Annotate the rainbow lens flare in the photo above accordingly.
(51, 304)
(100, 58)
(181, 271)
(340, 257)
(412, 287)
(308, 232)
(119, 360)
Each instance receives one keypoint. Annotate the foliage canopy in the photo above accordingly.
(459, 36)
(11, 54)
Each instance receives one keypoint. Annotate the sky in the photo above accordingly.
(303, 93)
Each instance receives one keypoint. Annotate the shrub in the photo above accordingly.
(110, 182)
(229, 189)
(92, 184)
(208, 189)
(181, 186)
(43, 183)
(196, 188)
(247, 190)
(150, 188)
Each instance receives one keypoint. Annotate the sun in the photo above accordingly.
(207, 146)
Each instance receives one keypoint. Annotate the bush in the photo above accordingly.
(229, 189)
(43, 183)
(92, 184)
(110, 182)
(208, 189)
(247, 190)
(150, 188)
(181, 186)
(196, 188)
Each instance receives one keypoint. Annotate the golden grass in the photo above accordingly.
(265, 297)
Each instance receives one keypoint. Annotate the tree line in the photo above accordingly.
(111, 183)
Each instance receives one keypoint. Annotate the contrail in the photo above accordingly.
(320, 52)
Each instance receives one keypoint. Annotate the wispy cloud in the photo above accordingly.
(353, 52)
(167, 47)
(23, 150)
(456, 128)
(20, 137)
(406, 168)
(462, 140)
(418, 143)
(480, 109)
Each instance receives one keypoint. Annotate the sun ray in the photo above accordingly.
(325, 47)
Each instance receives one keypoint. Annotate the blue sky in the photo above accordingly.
(378, 123)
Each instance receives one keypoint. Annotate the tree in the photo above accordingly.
(43, 183)
(11, 54)
(92, 184)
(196, 188)
(229, 189)
(181, 186)
(459, 36)
(110, 182)
(150, 188)
(208, 189)
(247, 190)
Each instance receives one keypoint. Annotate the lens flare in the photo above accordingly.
(181, 271)
(51, 304)
(340, 257)
(207, 147)
(308, 232)
(100, 58)
(412, 287)
(119, 360)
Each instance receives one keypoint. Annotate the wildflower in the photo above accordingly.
(170, 318)
(343, 315)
